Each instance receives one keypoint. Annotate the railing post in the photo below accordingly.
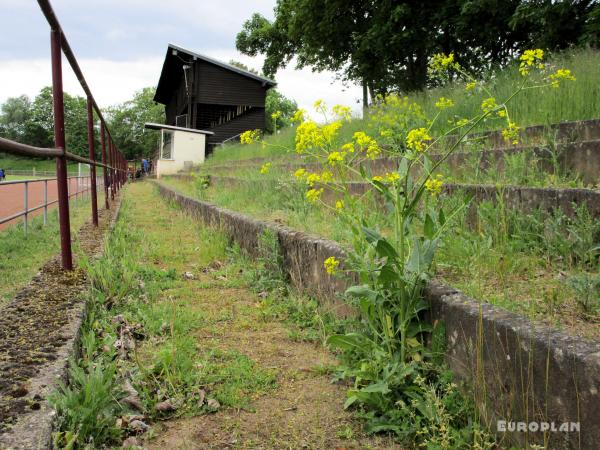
(104, 170)
(90, 123)
(113, 181)
(26, 206)
(45, 202)
(59, 141)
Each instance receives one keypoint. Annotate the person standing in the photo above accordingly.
(2, 174)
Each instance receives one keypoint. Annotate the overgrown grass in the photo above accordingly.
(573, 101)
(514, 260)
(22, 255)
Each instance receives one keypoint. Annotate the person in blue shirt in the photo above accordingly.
(145, 165)
(2, 175)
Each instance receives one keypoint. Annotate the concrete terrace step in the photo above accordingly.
(523, 198)
(565, 133)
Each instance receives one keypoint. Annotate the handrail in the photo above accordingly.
(113, 162)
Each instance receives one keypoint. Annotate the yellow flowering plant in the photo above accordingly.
(393, 265)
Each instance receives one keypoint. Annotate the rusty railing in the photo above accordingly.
(113, 162)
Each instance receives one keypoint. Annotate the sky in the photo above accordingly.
(121, 45)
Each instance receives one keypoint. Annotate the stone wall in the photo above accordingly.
(517, 370)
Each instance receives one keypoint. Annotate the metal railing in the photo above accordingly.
(83, 185)
(113, 162)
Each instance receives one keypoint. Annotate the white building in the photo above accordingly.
(179, 149)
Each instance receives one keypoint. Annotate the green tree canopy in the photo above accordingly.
(126, 122)
(386, 44)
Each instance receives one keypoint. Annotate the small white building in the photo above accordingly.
(179, 148)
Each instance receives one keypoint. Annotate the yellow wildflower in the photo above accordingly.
(250, 136)
(276, 115)
(378, 178)
(471, 85)
(489, 104)
(462, 122)
(415, 139)
(434, 185)
(511, 134)
(561, 74)
(531, 59)
(326, 176)
(502, 113)
(335, 157)
(319, 104)
(392, 177)
(349, 147)
(440, 62)
(313, 195)
(330, 131)
(308, 135)
(299, 116)
(300, 173)
(339, 205)
(361, 138)
(444, 103)
(331, 264)
(313, 178)
(343, 112)
(265, 168)
(373, 150)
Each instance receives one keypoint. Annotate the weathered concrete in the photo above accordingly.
(518, 371)
(525, 199)
(33, 430)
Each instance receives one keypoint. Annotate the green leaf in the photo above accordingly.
(380, 387)
(348, 341)
(371, 235)
(385, 249)
(442, 217)
(429, 227)
(362, 291)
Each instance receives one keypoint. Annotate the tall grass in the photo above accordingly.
(572, 101)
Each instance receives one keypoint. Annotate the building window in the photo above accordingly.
(167, 145)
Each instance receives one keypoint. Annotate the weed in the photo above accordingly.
(587, 287)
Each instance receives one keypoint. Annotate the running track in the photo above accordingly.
(12, 199)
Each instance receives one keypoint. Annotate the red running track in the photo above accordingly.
(12, 197)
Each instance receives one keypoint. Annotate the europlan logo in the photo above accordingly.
(504, 426)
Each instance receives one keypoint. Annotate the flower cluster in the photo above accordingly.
(313, 195)
(511, 134)
(249, 137)
(276, 115)
(416, 139)
(434, 185)
(331, 265)
(488, 105)
(343, 112)
(339, 205)
(299, 116)
(335, 158)
(367, 144)
(308, 135)
(531, 59)
(265, 168)
(444, 103)
(471, 85)
(561, 75)
(441, 62)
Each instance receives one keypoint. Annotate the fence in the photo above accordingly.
(78, 186)
(113, 163)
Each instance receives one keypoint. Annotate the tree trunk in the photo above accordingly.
(365, 101)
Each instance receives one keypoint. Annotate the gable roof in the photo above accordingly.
(172, 68)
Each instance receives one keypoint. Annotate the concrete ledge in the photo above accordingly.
(526, 199)
(33, 427)
(518, 371)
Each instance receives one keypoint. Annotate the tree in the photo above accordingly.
(14, 115)
(386, 44)
(126, 122)
(279, 110)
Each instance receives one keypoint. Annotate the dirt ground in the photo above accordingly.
(302, 409)
(12, 198)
